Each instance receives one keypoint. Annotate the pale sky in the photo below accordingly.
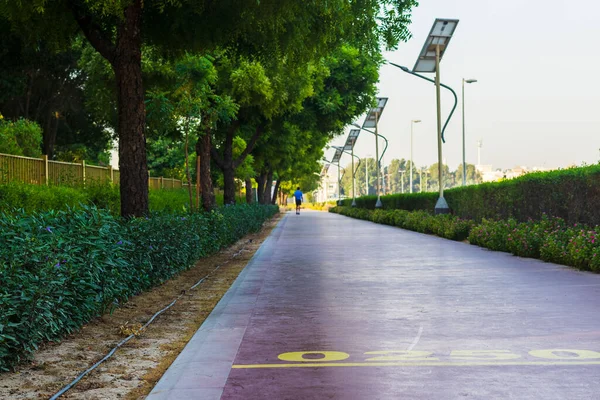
(537, 99)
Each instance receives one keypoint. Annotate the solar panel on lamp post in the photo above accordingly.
(429, 61)
(372, 121)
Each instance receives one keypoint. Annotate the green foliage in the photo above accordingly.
(406, 201)
(40, 198)
(35, 198)
(446, 226)
(60, 269)
(21, 138)
(572, 194)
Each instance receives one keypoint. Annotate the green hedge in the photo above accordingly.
(549, 239)
(59, 269)
(446, 226)
(46, 198)
(572, 194)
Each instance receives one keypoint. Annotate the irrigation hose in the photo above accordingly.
(128, 338)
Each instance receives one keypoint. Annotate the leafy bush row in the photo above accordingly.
(45, 198)
(550, 239)
(59, 269)
(446, 226)
(572, 194)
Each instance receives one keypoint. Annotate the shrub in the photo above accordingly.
(492, 234)
(59, 269)
(41, 198)
(21, 138)
(446, 226)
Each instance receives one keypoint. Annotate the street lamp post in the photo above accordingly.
(429, 61)
(377, 135)
(377, 164)
(336, 160)
(354, 177)
(348, 148)
(402, 171)
(464, 183)
(414, 121)
(324, 179)
(371, 121)
(367, 177)
(422, 171)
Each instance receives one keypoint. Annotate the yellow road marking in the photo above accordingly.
(418, 364)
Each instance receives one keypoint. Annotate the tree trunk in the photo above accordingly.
(130, 100)
(268, 187)
(260, 191)
(50, 130)
(276, 192)
(249, 194)
(228, 164)
(187, 166)
(282, 198)
(229, 185)
(203, 150)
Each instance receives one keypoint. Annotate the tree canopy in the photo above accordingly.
(222, 77)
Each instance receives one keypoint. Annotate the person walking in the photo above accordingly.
(299, 196)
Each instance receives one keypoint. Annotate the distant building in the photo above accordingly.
(328, 189)
(515, 172)
(488, 174)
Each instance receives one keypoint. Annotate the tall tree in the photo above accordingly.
(473, 176)
(434, 174)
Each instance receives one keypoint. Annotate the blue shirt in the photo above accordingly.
(298, 195)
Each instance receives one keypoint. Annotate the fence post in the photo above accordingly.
(161, 182)
(111, 174)
(83, 171)
(45, 158)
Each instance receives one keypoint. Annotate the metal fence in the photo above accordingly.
(41, 171)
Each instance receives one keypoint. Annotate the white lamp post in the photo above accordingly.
(464, 183)
(414, 121)
(371, 122)
(402, 171)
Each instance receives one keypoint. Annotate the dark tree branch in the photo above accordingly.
(216, 157)
(94, 35)
(250, 146)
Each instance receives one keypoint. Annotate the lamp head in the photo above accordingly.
(416, 121)
(470, 80)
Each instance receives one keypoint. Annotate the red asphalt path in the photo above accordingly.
(337, 308)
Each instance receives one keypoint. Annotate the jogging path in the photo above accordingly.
(337, 308)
